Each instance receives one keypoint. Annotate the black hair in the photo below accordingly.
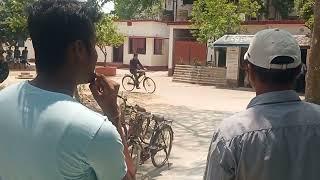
(54, 25)
(135, 54)
(277, 76)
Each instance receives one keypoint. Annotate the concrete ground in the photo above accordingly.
(196, 112)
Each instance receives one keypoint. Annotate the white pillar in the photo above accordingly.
(233, 58)
(149, 51)
(171, 41)
(217, 57)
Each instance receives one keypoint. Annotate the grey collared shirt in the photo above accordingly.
(276, 138)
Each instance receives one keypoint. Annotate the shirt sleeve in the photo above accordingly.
(105, 154)
(220, 161)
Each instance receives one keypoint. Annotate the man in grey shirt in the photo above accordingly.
(278, 136)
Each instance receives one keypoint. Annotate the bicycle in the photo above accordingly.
(128, 82)
(148, 136)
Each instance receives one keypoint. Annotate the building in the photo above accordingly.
(231, 51)
(148, 38)
(160, 43)
(167, 41)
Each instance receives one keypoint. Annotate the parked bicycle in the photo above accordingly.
(148, 136)
(128, 82)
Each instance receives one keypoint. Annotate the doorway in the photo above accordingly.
(118, 54)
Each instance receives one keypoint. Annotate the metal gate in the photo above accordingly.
(189, 53)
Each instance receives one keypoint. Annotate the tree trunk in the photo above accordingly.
(313, 75)
(105, 56)
(105, 53)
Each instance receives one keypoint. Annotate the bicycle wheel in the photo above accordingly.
(161, 144)
(128, 83)
(149, 85)
(135, 153)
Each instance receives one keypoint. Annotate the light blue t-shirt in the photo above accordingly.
(49, 136)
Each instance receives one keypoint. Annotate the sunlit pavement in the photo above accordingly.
(196, 111)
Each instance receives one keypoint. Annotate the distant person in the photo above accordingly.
(278, 136)
(45, 134)
(9, 57)
(24, 57)
(16, 54)
(137, 69)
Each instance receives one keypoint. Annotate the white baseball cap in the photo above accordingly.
(271, 43)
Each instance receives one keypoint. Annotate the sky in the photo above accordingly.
(108, 7)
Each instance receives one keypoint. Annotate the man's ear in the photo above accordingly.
(251, 74)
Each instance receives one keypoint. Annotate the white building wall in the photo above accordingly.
(148, 30)
(161, 60)
(29, 45)
(144, 29)
(145, 59)
(233, 60)
(31, 53)
(101, 55)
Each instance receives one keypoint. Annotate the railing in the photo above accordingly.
(200, 75)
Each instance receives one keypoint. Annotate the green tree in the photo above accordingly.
(137, 9)
(305, 11)
(13, 24)
(214, 18)
(107, 35)
(284, 7)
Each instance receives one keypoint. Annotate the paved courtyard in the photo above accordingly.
(195, 110)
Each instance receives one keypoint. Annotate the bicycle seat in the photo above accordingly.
(139, 108)
(158, 118)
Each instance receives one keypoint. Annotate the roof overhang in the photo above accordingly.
(244, 41)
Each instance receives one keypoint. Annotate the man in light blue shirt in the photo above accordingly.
(44, 133)
(278, 136)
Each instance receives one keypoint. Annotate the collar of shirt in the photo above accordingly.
(274, 98)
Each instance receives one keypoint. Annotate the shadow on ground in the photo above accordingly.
(193, 130)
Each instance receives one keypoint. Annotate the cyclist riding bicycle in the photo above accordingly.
(136, 69)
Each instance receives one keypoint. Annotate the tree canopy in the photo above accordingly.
(137, 9)
(305, 11)
(214, 18)
(13, 25)
(107, 34)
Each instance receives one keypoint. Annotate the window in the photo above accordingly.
(158, 44)
(188, 1)
(137, 45)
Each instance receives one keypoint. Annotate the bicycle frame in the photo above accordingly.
(141, 78)
(136, 132)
